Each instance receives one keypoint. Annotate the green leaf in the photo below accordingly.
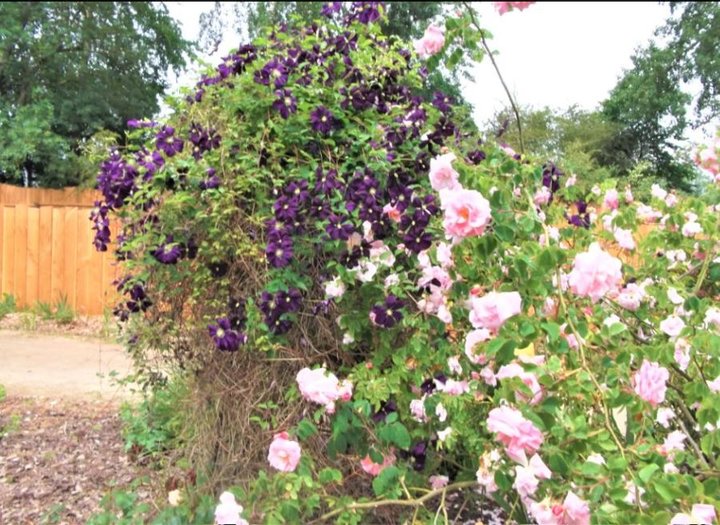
(552, 330)
(330, 475)
(305, 429)
(385, 480)
(396, 434)
(646, 472)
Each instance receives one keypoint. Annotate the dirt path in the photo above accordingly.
(54, 366)
(60, 444)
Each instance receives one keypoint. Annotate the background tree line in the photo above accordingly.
(73, 73)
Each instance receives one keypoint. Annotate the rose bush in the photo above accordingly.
(443, 328)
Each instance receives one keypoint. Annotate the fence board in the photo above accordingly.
(45, 255)
(8, 249)
(70, 246)
(32, 286)
(20, 249)
(58, 259)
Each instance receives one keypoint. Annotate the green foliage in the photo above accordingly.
(155, 424)
(7, 305)
(71, 69)
(64, 313)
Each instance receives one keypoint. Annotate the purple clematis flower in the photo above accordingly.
(286, 103)
(212, 181)
(225, 337)
(322, 120)
(279, 251)
(388, 314)
(168, 253)
(330, 8)
(167, 142)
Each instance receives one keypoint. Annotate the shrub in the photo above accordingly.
(303, 210)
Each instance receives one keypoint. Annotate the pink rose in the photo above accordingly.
(700, 513)
(452, 387)
(714, 385)
(504, 7)
(673, 442)
(624, 238)
(575, 510)
(467, 213)
(284, 454)
(493, 309)
(431, 42)
(542, 196)
(611, 199)
(392, 212)
(595, 273)
(438, 482)
(372, 468)
(228, 511)
(519, 435)
(442, 174)
(528, 378)
(650, 382)
(322, 387)
(672, 326)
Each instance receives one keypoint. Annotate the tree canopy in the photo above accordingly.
(71, 69)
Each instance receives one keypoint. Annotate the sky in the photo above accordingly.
(552, 54)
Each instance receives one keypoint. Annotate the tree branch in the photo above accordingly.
(497, 70)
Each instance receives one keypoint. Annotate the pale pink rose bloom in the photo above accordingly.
(519, 435)
(596, 458)
(576, 510)
(672, 326)
(629, 198)
(669, 468)
(705, 513)
(435, 273)
(321, 387)
(444, 433)
(417, 410)
(595, 273)
(550, 307)
(542, 512)
(682, 353)
(650, 382)
(671, 200)
(647, 213)
(334, 288)
(714, 385)
(453, 387)
(624, 238)
(699, 515)
(528, 378)
(712, 317)
(611, 200)
(391, 280)
(442, 174)
(542, 196)
(486, 471)
(707, 159)
(454, 365)
(345, 390)
(526, 483)
(441, 412)
(504, 7)
(674, 296)
(691, 229)
(431, 42)
(284, 454)
(466, 213)
(438, 482)
(664, 415)
(539, 468)
(392, 212)
(372, 468)
(444, 255)
(488, 376)
(631, 296)
(228, 511)
(673, 443)
(571, 181)
(493, 309)
(658, 192)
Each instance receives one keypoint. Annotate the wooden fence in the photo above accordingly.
(46, 250)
